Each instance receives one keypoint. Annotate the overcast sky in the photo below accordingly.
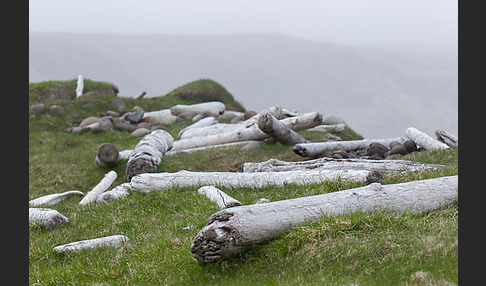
(385, 23)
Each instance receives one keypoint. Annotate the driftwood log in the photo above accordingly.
(147, 154)
(190, 150)
(53, 199)
(423, 140)
(47, 218)
(110, 241)
(317, 148)
(332, 127)
(207, 121)
(279, 131)
(447, 138)
(219, 197)
(161, 181)
(230, 232)
(210, 108)
(115, 193)
(274, 165)
(107, 155)
(102, 186)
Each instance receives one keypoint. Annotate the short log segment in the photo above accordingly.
(147, 155)
(447, 138)
(110, 241)
(47, 218)
(107, 155)
(274, 165)
(104, 184)
(230, 232)
(115, 193)
(317, 148)
(161, 181)
(279, 131)
(53, 199)
(423, 140)
(219, 197)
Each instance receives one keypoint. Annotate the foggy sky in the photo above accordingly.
(411, 24)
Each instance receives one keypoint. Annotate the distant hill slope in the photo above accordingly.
(378, 93)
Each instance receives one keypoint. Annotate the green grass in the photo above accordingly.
(352, 249)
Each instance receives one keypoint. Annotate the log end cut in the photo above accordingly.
(107, 155)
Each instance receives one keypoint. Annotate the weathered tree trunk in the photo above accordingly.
(231, 231)
(210, 108)
(161, 181)
(147, 155)
(110, 241)
(274, 165)
(115, 193)
(92, 195)
(47, 218)
(303, 121)
(141, 95)
(317, 148)
(447, 138)
(423, 140)
(207, 121)
(219, 197)
(53, 199)
(332, 127)
(190, 150)
(279, 131)
(107, 155)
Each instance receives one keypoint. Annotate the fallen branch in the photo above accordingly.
(207, 121)
(423, 140)
(115, 193)
(147, 155)
(317, 148)
(111, 241)
(274, 165)
(279, 131)
(331, 127)
(53, 199)
(47, 218)
(190, 150)
(161, 181)
(219, 197)
(447, 138)
(230, 232)
(92, 195)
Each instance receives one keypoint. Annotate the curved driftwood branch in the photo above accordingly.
(111, 241)
(317, 148)
(279, 131)
(274, 165)
(229, 232)
(161, 181)
(423, 140)
(219, 197)
(92, 195)
(147, 155)
(48, 218)
(447, 138)
(53, 199)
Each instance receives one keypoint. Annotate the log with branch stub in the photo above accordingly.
(47, 218)
(423, 140)
(232, 231)
(102, 186)
(219, 197)
(279, 131)
(325, 163)
(145, 183)
(107, 241)
(53, 199)
(148, 153)
(317, 148)
(447, 138)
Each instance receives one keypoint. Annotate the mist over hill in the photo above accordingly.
(379, 93)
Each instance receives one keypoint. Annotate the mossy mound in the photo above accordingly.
(66, 89)
(204, 90)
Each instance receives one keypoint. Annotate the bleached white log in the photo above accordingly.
(447, 138)
(423, 140)
(107, 241)
(190, 150)
(231, 115)
(115, 193)
(207, 121)
(92, 195)
(147, 182)
(327, 128)
(147, 154)
(326, 163)
(53, 199)
(229, 232)
(107, 155)
(219, 197)
(279, 131)
(163, 116)
(303, 121)
(316, 149)
(141, 95)
(47, 218)
(210, 108)
(125, 154)
(79, 86)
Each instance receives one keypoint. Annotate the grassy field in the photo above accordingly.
(352, 249)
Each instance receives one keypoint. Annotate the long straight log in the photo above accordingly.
(279, 131)
(47, 218)
(53, 199)
(230, 232)
(317, 148)
(107, 241)
(147, 154)
(274, 165)
(219, 197)
(190, 150)
(145, 183)
(92, 195)
(423, 140)
(207, 121)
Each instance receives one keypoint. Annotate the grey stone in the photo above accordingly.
(398, 149)
(410, 145)
(105, 124)
(376, 148)
(89, 120)
(140, 132)
(119, 105)
(56, 109)
(38, 108)
(135, 118)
